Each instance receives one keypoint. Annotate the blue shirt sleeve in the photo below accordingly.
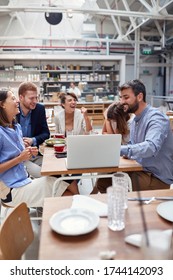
(34, 141)
(147, 137)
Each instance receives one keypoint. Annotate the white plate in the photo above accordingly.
(165, 210)
(74, 221)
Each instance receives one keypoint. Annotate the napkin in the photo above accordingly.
(135, 239)
(91, 204)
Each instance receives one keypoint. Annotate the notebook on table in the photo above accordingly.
(89, 151)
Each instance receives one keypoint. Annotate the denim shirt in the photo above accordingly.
(25, 122)
(11, 145)
(151, 144)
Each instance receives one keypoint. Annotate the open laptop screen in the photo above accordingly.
(87, 151)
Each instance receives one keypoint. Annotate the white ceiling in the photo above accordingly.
(87, 24)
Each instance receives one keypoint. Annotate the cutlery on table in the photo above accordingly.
(150, 198)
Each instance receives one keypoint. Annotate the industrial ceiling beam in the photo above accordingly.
(85, 39)
(105, 12)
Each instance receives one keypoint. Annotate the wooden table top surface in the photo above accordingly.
(88, 246)
(57, 166)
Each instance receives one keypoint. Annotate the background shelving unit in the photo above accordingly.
(89, 80)
(12, 73)
(98, 76)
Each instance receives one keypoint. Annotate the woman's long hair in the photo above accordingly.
(3, 116)
(116, 113)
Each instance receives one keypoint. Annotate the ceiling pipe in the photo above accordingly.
(64, 47)
(163, 36)
(107, 46)
(103, 40)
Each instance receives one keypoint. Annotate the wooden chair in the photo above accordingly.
(16, 233)
(5, 209)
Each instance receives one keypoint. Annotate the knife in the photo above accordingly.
(149, 198)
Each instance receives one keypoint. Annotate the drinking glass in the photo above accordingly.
(122, 179)
(116, 210)
(93, 132)
(69, 132)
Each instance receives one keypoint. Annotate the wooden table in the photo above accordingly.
(57, 166)
(88, 246)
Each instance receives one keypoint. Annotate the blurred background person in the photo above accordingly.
(74, 89)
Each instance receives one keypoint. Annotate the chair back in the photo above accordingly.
(16, 233)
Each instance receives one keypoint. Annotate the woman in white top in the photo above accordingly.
(117, 121)
(71, 118)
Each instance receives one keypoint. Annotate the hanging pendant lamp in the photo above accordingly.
(53, 18)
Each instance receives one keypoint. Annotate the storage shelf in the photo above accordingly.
(6, 81)
(47, 71)
(78, 71)
(87, 81)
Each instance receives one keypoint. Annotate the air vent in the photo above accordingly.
(88, 28)
(16, 50)
(52, 49)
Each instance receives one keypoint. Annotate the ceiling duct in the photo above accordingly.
(89, 27)
(53, 49)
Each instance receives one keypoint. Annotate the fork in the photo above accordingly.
(149, 201)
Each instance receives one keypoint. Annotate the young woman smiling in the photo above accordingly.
(71, 118)
(13, 154)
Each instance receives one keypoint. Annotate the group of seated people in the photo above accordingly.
(146, 137)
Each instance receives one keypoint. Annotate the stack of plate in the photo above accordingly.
(52, 141)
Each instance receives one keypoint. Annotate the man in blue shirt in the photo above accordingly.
(151, 141)
(32, 119)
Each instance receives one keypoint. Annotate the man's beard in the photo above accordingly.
(132, 108)
(29, 107)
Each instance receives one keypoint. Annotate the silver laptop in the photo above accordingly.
(87, 151)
